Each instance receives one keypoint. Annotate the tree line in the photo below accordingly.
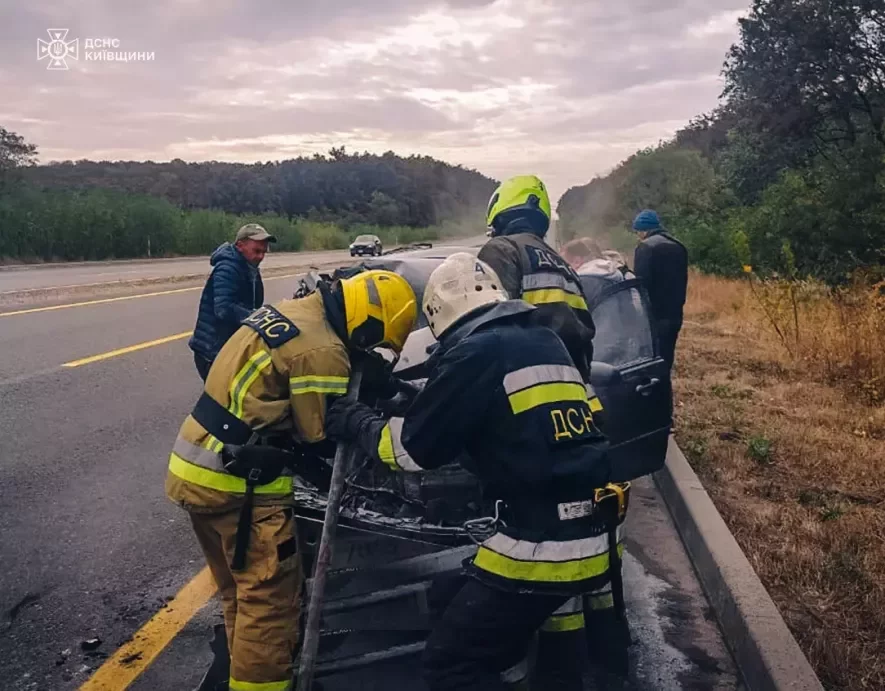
(102, 209)
(787, 174)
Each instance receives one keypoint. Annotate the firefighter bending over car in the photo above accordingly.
(262, 410)
(504, 391)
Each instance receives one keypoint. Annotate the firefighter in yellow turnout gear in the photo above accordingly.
(268, 388)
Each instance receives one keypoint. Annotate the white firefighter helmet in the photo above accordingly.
(458, 286)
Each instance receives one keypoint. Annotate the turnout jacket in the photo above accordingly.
(272, 376)
(531, 270)
(505, 400)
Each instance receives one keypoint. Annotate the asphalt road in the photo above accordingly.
(92, 548)
(15, 278)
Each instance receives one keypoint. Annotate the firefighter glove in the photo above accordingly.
(378, 380)
(346, 420)
(398, 405)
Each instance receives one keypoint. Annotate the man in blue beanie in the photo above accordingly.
(661, 261)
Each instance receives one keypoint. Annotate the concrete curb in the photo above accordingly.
(765, 651)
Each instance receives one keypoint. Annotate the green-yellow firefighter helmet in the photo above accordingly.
(521, 198)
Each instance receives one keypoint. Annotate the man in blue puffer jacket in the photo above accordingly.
(232, 292)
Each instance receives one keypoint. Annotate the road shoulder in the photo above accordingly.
(766, 652)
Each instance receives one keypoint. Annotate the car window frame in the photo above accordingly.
(611, 291)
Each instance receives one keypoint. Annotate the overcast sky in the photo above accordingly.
(561, 88)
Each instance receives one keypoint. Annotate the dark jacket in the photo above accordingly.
(232, 292)
(661, 261)
(530, 269)
(504, 398)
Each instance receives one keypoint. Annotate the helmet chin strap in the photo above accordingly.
(333, 302)
(521, 225)
(368, 335)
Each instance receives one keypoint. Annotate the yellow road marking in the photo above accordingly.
(134, 657)
(127, 349)
(32, 310)
(97, 302)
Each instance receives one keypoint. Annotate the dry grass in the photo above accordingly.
(789, 438)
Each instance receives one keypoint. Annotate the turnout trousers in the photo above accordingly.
(262, 603)
(482, 641)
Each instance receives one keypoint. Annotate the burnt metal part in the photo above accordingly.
(382, 611)
(422, 515)
(349, 664)
(385, 593)
(343, 457)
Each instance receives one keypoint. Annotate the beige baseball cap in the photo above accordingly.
(253, 231)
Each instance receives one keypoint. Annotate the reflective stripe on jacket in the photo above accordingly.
(271, 389)
(531, 270)
(546, 286)
(575, 565)
(504, 399)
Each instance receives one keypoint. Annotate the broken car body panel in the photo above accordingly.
(630, 379)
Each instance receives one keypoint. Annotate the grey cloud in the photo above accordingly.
(624, 112)
(157, 129)
(605, 62)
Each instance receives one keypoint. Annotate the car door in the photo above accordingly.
(632, 381)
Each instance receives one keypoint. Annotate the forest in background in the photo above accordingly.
(102, 210)
(787, 174)
(779, 195)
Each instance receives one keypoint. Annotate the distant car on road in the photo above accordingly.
(366, 244)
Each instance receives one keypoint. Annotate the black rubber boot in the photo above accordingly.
(608, 641)
(560, 661)
(216, 677)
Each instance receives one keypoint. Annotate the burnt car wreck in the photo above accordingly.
(402, 537)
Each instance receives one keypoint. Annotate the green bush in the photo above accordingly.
(95, 224)
(204, 230)
(47, 225)
(323, 236)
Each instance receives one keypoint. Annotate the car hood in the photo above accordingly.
(432, 506)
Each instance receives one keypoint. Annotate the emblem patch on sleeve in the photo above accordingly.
(273, 327)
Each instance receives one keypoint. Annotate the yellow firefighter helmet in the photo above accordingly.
(381, 309)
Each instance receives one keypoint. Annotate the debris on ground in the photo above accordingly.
(90, 644)
(129, 659)
(62, 657)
